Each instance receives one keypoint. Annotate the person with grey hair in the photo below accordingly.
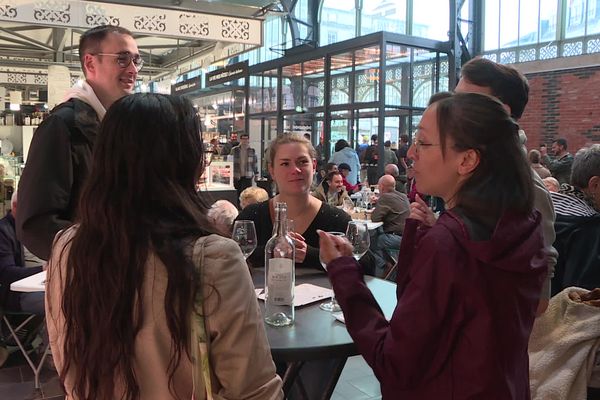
(223, 213)
(578, 224)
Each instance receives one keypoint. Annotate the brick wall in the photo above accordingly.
(563, 103)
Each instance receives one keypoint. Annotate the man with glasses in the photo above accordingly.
(61, 150)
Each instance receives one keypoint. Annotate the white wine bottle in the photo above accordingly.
(280, 273)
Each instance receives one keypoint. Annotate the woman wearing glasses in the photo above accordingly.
(143, 301)
(468, 286)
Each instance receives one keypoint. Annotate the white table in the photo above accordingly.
(370, 224)
(33, 283)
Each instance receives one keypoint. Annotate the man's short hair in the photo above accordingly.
(534, 156)
(387, 143)
(392, 169)
(244, 135)
(374, 137)
(90, 41)
(329, 166)
(561, 142)
(330, 175)
(506, 83)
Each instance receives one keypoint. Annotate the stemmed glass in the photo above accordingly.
(358, 235)
(332, 305)
(244, 233)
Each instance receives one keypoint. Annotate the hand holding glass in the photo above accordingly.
(358, 235)
(332, 305)
(244, 234)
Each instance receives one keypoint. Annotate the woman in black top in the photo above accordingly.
(292, 162)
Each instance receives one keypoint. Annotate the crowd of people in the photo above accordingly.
(148, 297)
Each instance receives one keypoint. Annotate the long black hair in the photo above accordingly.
(140, 198)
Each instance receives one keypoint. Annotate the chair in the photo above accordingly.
(21, 329)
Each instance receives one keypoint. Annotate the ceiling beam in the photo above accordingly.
(28, 40)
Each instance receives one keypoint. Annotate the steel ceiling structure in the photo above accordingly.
(31, 47)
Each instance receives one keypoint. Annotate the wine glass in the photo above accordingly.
(332, 305)
(348, 205)
(244, 233)
(358, 235)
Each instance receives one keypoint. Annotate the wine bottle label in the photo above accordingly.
(279, 281)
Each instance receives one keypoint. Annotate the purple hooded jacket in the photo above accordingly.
(464, 314)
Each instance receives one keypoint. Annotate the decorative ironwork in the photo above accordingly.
(8, 10)
(40, 79)
(572, 49)
(196, 25)
(593, 46)
(526, 55)
(96, 15)
(16, 78)
(548, 52)
(235, 29)
(52, 11)
(153, 23)
(508, 57)
(491, 57)
(444, 68)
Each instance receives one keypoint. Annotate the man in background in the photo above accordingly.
(560, 165)
(61, 150)
(245, 164)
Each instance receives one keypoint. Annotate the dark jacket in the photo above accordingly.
(464, 314)
(12, 263)
(58, 163)
(578, 245)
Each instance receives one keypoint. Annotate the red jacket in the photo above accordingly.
(464, 314)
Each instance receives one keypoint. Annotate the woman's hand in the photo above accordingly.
(332, 247)
(300, 245)
(420, 211)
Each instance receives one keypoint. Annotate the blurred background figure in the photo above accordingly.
(535, 157)
(400, 181)
(389, 156)
(245, 164)
(252, 195)
(332, 190)
(551, 184)
(561, 161)
(345, 170)
(344, 154)
(223, 214)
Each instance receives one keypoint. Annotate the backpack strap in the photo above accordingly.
(200, 340)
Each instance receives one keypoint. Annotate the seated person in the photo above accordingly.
(329, 167)
(12, 268)
(345, 171)
(222, 213)
(252, 195)
(332, 190)
(551, 183)
(577, 224)
(400, 181)
(392, 209)
(292, 165)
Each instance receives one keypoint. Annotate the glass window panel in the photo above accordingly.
(366, 78)
(548, 18)
(341, 69)
(255, 94)
(491, 27)
(575, 18)
(314, 83)
(465, 26)
(428, 24)
(509, 22)
(340, 128)
(270, 91)
(337, 21)
(423, 73)
(397, 75)
(383, 15)
(528, 22)
(593, 17)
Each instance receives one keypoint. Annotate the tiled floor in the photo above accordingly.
(16, 382)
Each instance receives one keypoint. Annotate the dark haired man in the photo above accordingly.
(480, 75)
(332, 190)
(370, 159)
(61, 150)
(560, 165)
(245, 164)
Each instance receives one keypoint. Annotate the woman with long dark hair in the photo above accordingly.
(143, 300)
(469, 285)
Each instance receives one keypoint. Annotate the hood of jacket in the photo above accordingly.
(511, 246)
(84, 92)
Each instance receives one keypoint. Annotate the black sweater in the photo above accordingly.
(327, 219)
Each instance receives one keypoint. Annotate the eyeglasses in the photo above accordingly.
(420, 144)
(124, 59)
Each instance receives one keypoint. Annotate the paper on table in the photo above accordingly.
(305, 293)
(339, 316)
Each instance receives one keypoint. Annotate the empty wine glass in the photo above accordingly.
(348, 205)
(244, 233)
(358, 235)
(331, 305)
